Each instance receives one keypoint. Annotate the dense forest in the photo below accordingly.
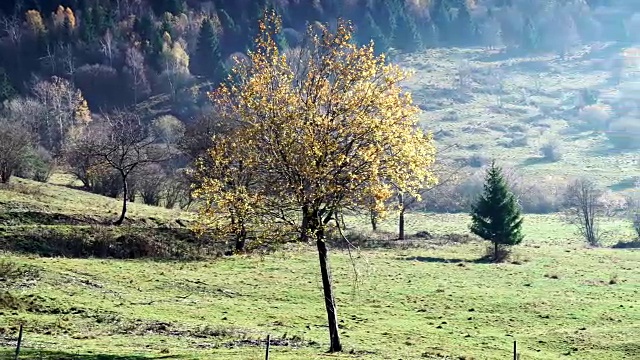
(65, 64)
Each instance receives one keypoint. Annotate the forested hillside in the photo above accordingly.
(137, 49)
(67, 66)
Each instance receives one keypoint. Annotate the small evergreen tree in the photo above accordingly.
(496, 214)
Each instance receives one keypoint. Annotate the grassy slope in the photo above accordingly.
(407, 303)
(548, 82)
(59, 199)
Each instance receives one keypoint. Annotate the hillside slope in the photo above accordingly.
(489, 105)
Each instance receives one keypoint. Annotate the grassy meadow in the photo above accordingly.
(427, 299)
(495, 106)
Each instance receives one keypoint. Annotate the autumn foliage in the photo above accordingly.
(310, 132)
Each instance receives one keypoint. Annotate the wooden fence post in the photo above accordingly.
(515, 350)
(19, 343)
(266, 357)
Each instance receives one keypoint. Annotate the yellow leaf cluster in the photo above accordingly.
(321, 128)
(34, 22)
(63, 14)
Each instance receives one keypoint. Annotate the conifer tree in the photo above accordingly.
(531, 38)
(6, 88)
(407, 36)
(496, 214)
(208, 55)
(371, 31)
(441, 17)
(88, 27)
(464, 28)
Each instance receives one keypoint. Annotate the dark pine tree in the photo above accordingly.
(208, 56)
(88, 27)
(464, 28)
(371, 31)
(496, 214)
(6, 88)
(531, 38)
(441, 17)
(407, 37)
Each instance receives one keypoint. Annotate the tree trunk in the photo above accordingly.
(401, 217)
(374, 220)
(495, 251)
(241, 239)
(401, 225)
(125, 192)
(329, 300)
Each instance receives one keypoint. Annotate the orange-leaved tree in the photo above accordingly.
(320, 128)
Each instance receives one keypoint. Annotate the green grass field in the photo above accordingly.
(429, 302)
(430, 299)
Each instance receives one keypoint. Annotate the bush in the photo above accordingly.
(595, 116)
(537, 199)
(625, 134)
(150, 182)
(551, 151)
(177, 191)
(15, 145)
(477, 161)
(519, 140)
(105, 181)
(534, 197)
(451, 115)
(635, 220)
(38, 165)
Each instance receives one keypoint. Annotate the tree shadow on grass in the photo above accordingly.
(429, 259)
(60, 355)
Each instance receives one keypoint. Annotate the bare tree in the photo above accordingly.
(126, 144)
(582, 201)
(108, 45)
(60, 99)
(134, 61)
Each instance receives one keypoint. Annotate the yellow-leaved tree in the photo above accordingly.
(312, 131)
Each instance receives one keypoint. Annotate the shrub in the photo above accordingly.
(551, 151)
(150, 181)
(595, 116)
(38, 165)
(519, 140)
(15, 144)
(451, 115)
(477, 161)
(9, 271)
(625, 134)
(635, 220)
(177, 190)
(105, 181)
(537, 199)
